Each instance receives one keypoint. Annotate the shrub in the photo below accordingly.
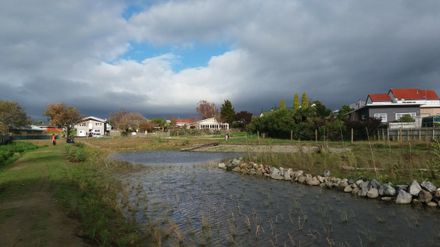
(76, 153)
(8, 151)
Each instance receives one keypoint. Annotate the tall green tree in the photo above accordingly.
(304, 101)
(295, 102)
(63, 116)
(227, 112)
(282, 105)
(343, 112)
(12, 115)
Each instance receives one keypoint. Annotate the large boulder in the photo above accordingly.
(288, 174)
(425, 196)
(236, 169)
(301, 179)
(363, 188)
(298, 173)
(414, 188)
(372, 193)
(374, 184)
(403, 197)
(348, 189)
(437, 193)
(428, 186)
(276, 174)
(312, 181)
(236, 162)
(387, 190)
(222, 166)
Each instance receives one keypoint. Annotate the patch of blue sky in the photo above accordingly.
(187, 56)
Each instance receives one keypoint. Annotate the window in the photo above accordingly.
(382, 116)
(399, 115)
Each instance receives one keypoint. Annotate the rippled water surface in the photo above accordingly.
(198, 204)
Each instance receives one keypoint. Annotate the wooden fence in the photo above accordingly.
(420, 134)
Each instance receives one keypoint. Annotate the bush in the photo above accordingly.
(10, 152)
(76, 153)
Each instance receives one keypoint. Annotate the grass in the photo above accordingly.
(11, 152)
(86, 190)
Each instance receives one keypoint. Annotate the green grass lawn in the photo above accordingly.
(85, 190)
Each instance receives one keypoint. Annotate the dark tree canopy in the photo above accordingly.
(206, 109)
(12, 115)
(244, 117)
(227, 112)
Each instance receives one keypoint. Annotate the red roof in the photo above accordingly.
(184, 121)
(414, 94)
(380, 97)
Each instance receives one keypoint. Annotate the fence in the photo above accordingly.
(420, 134)
(4, 139)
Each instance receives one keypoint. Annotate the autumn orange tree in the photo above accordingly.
(63, 116)
(12, 115)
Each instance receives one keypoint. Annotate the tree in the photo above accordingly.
(304, 101)
(63, 116)
(126, 121)
(321, 110)
(343, 112)
(206, 109)
(12, 115)
(282, 105)
(406, 119)
(244, 116)
(295, 102)
(227, 112)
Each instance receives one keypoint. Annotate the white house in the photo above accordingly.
(92, 126)
(211, 124)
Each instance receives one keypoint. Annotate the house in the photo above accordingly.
(92, 126)
(211, 124)
(391, 106)
(184, 123)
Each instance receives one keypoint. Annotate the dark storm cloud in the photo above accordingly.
(336, 51)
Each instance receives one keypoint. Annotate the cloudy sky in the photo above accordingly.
(161, 57)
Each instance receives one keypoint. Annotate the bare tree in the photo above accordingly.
(126, 121)
(206, 109)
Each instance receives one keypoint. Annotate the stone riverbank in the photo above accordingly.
(425, 193)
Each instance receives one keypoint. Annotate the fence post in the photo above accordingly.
(316, 135)
(388, 135)
(291, 135)
(352, 135)
(420, 134)
(433, 133)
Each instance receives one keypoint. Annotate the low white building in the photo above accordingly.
(211, 124)
(92, 126)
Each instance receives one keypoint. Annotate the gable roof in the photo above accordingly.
(414, 94)
(184, 120)
(379, 97)
(94, 118)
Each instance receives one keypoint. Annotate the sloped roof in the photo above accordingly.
(184, 120)
(414, 94)
(379, 97)
(93, 118)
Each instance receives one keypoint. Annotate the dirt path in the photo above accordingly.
(30, 216)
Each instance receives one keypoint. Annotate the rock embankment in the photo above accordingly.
(425, 192)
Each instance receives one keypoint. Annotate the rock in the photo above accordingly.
(312, 181)
(321, 179)
(348, 189)
(387, 190)
(363, 188)
(282, 171)
(355, 190)
(236, 169)
(386, 198)
(358, 182)
(288, 174)
(236, 162)
(301, 179)
(414, 188)
(403, 197)
(327, 173)
(425, 196)
(276, 174)
(437, 193)
(432, 204)
(222, 166)
(372, 193)
(401, 187)
(298, 173)
(374, 184)
(343, 183)
(428, 186)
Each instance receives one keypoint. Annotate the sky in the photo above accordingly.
(161, 57)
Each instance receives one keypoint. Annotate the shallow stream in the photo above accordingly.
(199, 204)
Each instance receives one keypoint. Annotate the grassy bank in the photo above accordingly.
(394, 162)
(11, 152)
(86, 189)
